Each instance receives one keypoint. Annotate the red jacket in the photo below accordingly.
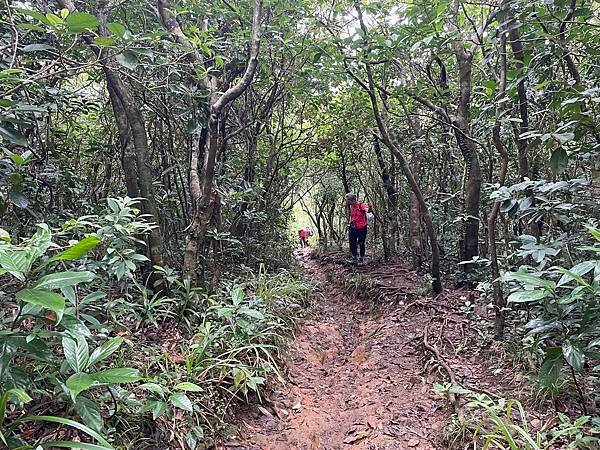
(358, 215)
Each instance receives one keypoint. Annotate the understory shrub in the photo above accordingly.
(90, 358)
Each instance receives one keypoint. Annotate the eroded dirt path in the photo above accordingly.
(359, 377)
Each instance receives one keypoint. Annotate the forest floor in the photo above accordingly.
(360, 375)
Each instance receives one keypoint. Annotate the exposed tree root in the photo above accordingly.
(453, 398)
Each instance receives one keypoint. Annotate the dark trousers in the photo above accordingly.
(358, 237)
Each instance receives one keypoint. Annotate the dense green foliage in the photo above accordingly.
(152, 155)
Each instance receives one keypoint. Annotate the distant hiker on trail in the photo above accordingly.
(359, 218)
(303, 235)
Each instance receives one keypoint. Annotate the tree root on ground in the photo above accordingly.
(453, 398)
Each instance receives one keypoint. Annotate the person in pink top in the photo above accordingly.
(303, 234)
(357, 226)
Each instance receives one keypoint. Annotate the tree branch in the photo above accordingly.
(235, 91)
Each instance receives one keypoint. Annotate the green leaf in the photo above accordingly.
(117, 376)
(37, 347)
(237, 296)
(116, 28)
(20, 394)
(79, 382)
(550, 370)
(3, 401)
(105, 350)
(70, 423)
(34, 14)
(568, 276)
(76, 352)
(532, 280)
(75, 325)
(563, 138)
(17, 159)
(573, 355)
(81, 21)
(17, 263)
(579, 269)
(18, 199)
(189, 387)
(594, 232)
(153, 387)
(4, 235)
(526, 296)
(12, 135)
(104, 41)
(44, 298)
(159, 409)
(73, 444)
(60, 280)
(89, 411)
(78, 250)
(592, 355)
(54, 20)
(37, 47)
(559, 161)
(127, 59)
(180, 400)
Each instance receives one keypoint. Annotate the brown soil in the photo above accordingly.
(359, 376)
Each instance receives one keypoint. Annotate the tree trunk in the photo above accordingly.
(462, 132)
(140, 144)
(516, 45)
(136, 125)
(514, 38)
(218, 101)
(389, 218)
(127, 152)
(499, 301)
(414, 213)
(390, 141)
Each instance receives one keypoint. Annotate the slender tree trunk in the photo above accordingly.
(414, 230)
(414, 208)
(218, 101)
(217, 244)
(140, 144)
(330, 222)
(136, 125)
(127, 152)
(499, 301)
(389, 218)
(390, 141)
(562, 36)
(462, 132)
(343, 172)
(516, 45)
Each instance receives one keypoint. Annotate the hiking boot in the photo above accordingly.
(361, 260)
(353, 260)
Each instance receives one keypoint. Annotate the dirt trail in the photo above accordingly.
(359, 377)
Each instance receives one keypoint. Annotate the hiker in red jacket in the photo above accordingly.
(358, 226)
(303, 234)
